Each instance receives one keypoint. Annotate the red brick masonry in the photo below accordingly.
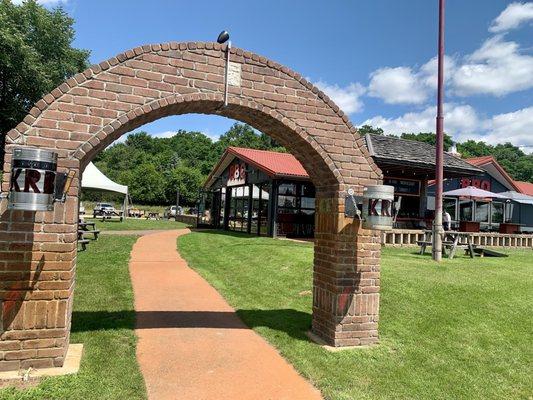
(94, 108)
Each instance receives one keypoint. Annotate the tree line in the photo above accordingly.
(154, 168)
(36, 55)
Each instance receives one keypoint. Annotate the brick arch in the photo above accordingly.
(94, 108)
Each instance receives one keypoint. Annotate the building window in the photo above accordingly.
(497, 213)
(465, 210)
(449, 205)
(296, 209)
(482, 211)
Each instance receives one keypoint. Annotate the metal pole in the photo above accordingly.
(228, 47)
(437, 223)
(177, 204)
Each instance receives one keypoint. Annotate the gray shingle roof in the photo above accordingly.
(392, 150)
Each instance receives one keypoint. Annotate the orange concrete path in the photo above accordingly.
(192, 345)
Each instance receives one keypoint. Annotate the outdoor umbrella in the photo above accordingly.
(518, 197)
(472, 191)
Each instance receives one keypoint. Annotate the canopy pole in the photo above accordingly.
(437, 223)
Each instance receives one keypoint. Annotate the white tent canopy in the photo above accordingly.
(94, 179)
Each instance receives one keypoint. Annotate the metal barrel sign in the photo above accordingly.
(33, 175)
(377, 207)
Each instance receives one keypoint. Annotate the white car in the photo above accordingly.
(170, 212)
(103, 208)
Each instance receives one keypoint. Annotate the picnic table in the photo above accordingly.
(108, 214)
(83, 229)
(153, 215)
(450, 240)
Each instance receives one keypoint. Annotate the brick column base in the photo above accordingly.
(346, 279)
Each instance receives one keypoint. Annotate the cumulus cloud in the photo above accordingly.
(512, 17)
(405, 85)
(398, 85)
(462, 122)
(457, 117)
(348, 98)
(496, 68)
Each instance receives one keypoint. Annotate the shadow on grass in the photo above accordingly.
(294, 323)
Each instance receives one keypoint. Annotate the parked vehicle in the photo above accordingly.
(170, 212)
(103, 208)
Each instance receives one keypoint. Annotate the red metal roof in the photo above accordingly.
(271, 162)
(525, 187)
(484, 160)
(477, 161)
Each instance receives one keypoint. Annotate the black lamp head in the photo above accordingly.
(223, 37)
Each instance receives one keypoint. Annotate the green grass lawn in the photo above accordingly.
(458, 330)
(132, 224)
(103, 320)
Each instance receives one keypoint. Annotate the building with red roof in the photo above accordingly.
(270, 193)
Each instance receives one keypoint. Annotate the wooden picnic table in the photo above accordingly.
(153, 215)
(451, 240)
(83, 229)
(108, 214)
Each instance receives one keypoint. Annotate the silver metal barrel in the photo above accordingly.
(377, 207)
(33, 173)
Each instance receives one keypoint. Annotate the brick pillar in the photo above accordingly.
(37, 266)
(346, 277)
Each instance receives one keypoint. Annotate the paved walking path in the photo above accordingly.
(192, 345)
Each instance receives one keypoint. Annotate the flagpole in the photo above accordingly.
(439, 156)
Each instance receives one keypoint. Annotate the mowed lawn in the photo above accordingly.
(462, 329)
(103, 320)
(134, 224)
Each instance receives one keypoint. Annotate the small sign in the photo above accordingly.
(403, 186)
(237, 174)
(234, 74)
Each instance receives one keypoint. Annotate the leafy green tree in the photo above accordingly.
(428, 137)
(147, 184)
(471, 148)
(36, 55)
(187, 180)
(243, 135)
(363, 130)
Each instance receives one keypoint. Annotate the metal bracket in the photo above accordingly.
(351, 205)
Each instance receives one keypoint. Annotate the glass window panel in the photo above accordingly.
(465, 210)
(482, 211)
(286, 201)
(308, 202)
(287, 189)
(307, 190)
(449, 206)
(497, 213)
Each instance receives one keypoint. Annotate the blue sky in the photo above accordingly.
(374, 58)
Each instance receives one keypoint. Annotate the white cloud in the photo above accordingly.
(496, 68)
(405, 85)
(516, 127)
(165, 134)
(458, 119)
(513, 16)
(398, 85)
(347, 98)
(463, 123)
(43, 2)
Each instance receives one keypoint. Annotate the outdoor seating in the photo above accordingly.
(86, 228)
(153, 215)
(451, 241)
